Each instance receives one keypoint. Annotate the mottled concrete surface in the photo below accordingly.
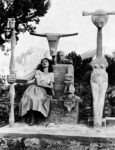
(64, 129)
(56, 137)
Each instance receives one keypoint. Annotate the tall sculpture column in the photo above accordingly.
(11, 26)
(99, 76)
(53, 40)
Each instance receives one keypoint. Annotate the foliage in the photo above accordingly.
(25, 12)
(82, 68)
(82, 75)
(111, 70)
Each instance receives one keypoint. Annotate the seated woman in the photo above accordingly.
(36, 98)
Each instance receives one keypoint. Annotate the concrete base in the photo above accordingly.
(109, 121)
(56, 137)
(59, 115)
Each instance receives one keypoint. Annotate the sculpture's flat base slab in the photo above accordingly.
(59, 130)
(58, 137)
(109, 121)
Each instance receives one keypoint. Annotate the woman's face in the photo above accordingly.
(45, 63)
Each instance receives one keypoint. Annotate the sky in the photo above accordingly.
(65, 16)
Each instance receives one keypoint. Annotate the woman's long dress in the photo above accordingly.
(36, 98)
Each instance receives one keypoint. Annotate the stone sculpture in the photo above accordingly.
(99, 77)
(53, 40)
(99, 85)
(61, 58)
(11, 27)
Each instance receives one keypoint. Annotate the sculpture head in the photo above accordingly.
(53, 52)
(100, 22)
(11, 23)
(70, 102)
(100, 18)
(69, 88)
(68, 78)
(60, 56)
(53, 43)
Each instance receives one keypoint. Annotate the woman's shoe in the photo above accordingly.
(28, 120)
(32, 123)
(32, 120)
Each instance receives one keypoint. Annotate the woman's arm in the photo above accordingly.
(31, 81)
(50, 86)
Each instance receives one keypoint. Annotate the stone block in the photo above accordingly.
(60, 71)
(59, 115)
(109, 121)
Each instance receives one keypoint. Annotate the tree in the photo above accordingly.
(111, 70)
(27, 13)
(81, 67)
(77, 61)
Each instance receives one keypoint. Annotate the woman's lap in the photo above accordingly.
(34, 98)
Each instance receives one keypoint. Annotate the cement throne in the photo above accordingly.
(65, 104)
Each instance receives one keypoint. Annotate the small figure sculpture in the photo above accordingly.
(61, 58)
(69, 87)
(99, 85)
(71, 100)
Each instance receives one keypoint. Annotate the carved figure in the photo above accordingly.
(70, 101)
(99, 77)
(68, 79)
(69, 87)
(99, 85)
(36, 97)
(61, 58)
(11, 26)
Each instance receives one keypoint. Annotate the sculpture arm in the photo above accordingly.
(85, 13)
(66, 35)
(36, 34)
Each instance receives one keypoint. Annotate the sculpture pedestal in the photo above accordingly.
(60, 137)
(59, 114)
(109, 121)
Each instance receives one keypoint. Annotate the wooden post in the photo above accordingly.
(12, 71)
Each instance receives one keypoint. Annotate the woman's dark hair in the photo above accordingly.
(39, 67)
